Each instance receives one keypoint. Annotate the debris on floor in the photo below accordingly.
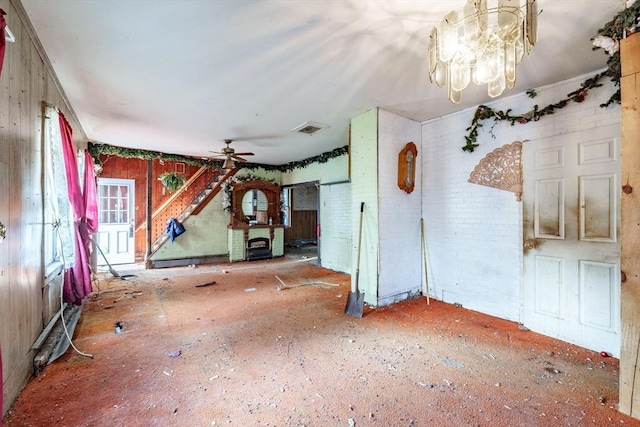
(117, 327)
(175, 354)
(250, 289)
(202, 285)
(452, 363)
(131, 294)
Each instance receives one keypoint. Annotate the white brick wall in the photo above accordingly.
(304, 199)
(364, 188)
(335, 220)
(399, 213)
(474, 233)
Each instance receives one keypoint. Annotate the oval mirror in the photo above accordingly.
(253, 201)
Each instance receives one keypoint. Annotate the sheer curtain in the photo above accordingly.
(58, 234)
(77, 279)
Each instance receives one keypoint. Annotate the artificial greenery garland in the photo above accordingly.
(97, 149)
(613, 30)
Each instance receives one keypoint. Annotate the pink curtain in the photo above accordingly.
(3, 43)
(90, 194)
(77, 279)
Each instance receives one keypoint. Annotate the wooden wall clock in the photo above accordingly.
(407, 167)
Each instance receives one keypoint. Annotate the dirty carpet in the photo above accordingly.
(268, 344)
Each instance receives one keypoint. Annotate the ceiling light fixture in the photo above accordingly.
(228, 163)
(482, 46)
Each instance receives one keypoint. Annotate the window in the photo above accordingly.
(58, 216)
(286, 206)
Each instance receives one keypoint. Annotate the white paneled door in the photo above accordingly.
(571, 237)
(116, 220)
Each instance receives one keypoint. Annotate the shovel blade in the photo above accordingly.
(355, 304)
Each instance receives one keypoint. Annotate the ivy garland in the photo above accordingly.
(133, 153)
(613, 31)
(97, 149)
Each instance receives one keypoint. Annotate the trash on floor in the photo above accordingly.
(202, 285)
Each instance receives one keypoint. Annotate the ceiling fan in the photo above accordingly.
(230, 155)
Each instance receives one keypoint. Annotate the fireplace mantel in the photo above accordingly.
(239, 237)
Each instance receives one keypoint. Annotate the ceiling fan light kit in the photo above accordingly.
(230, 155)
(482, 45)
(228, 164)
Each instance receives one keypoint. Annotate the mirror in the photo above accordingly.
(253, 201)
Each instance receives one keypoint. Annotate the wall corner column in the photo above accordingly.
(629, 389)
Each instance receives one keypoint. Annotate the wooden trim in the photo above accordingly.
(629, 388)
(215, 191)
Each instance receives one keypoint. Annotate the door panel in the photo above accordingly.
(571, 226)
(549, 215)
(549, 282)
(116, 216)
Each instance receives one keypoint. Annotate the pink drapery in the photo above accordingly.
(77, 279)
(3, 44)
(90, 194)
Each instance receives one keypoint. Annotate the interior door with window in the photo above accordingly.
(116, 220)
(571, 237)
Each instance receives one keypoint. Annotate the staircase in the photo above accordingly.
(200, 189)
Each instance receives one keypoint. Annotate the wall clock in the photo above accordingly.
(407, 167)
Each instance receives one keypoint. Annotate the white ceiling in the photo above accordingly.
(179, 76)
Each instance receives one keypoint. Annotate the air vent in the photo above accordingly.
(310, 128)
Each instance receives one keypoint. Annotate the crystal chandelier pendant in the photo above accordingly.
(482, 45)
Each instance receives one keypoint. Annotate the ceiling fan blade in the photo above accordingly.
(244, 154)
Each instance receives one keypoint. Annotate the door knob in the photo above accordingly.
(530, 244)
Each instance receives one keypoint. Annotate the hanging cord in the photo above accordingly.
(56, 226)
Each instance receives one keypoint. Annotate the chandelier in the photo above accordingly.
(483, 46)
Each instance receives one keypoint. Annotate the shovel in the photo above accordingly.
(355, 300)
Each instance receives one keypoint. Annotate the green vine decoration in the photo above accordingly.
(172, 181)
(131, 153)
(612, 32)
(484, 112)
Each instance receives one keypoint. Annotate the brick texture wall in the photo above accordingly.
(474, 233)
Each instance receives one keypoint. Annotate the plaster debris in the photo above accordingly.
(175, 354)
(452, 363)
(250, 289)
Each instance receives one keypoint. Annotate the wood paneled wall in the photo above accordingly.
(25, 83)
(303, 226)
(136, 169)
